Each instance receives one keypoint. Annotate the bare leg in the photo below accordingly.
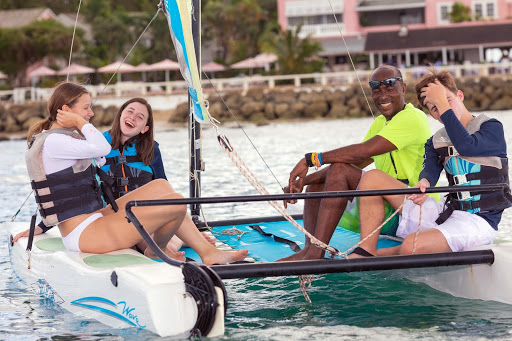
(429, 241)
(322, 216)
(209, 254)
(114, 232)
(371, 209)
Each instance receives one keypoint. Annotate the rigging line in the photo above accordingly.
(350, 58)
(73, 39)
(240, 126)
(19, 209)
(131, 49)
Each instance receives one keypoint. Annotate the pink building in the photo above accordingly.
(403, 32)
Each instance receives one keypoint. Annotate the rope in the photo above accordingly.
(73, 40)
(417, 232)
(251, 178)
(19, 209)
(131, 49)
(350, 58)
(305, 282)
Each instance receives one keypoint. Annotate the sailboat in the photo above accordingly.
(125, 289)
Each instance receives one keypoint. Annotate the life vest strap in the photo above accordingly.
(122, 159)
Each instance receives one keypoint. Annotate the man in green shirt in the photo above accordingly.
(395, 142)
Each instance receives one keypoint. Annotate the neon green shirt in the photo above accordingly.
(408, 130)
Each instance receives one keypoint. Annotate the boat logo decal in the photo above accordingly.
(44, 289)
(120, 310)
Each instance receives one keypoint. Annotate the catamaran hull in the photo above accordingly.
(148, 296)
(477, 281)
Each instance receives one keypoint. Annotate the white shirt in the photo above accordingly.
(61, 151)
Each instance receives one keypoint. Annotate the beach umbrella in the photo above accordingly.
(164, 65)
(142, 67)
(213, 67)
(265, 59)
(248, 63)
(42, 71)
(75, 69)
(118, 67)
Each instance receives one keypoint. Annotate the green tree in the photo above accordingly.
(460, 13)
(24, 46)
(295, 54)
(228, 23)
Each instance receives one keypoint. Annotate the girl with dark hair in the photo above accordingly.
(61, 165)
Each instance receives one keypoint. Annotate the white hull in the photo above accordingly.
(480, 281)
(149, 296)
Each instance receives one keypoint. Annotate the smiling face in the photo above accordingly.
(389, 100)
(133, 120)
(81, 107)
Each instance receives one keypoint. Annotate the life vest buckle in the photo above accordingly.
(122, 181)
(464, 195)
(460, 179)
(452, 151)
(121, 159)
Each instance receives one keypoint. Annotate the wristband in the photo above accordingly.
(309, 162)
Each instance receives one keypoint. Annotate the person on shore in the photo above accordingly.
(61, 165)
(395, 142)
(472, 150)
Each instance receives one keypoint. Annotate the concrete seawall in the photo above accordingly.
(263, 104)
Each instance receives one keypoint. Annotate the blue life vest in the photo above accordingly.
(67, 193)
(463, 171)
(126, 169)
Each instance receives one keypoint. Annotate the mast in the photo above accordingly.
(196, 165)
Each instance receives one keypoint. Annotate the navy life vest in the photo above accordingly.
(67, 193)
(126, 169)
(463, 171)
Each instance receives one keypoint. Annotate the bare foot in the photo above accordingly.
(295, 256)
(179, 256)
(208, 238)
(223, 257)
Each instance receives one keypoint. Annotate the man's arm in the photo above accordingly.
(359, 153)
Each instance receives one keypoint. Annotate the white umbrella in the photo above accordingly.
(164, 65)
(213, 67)
(118, 67)
(248, 63)
(75, 69)
(142, 67)
(42, 71)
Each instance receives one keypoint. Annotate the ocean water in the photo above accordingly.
(362, 306)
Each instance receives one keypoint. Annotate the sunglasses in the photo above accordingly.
(386, 82)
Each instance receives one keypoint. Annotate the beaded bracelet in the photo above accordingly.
(320, 159)
(317, 161)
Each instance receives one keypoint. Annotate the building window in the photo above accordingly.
(484, 9)
(479, 13)
(443, 12)
(490, 10)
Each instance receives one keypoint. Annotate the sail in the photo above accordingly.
(178, 13)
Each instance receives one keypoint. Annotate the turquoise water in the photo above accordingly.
(368, 306)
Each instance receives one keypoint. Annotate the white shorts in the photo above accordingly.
(71, 240)
(462, 230)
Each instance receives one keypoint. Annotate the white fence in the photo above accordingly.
(122, 89)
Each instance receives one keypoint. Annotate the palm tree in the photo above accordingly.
(295, 54)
